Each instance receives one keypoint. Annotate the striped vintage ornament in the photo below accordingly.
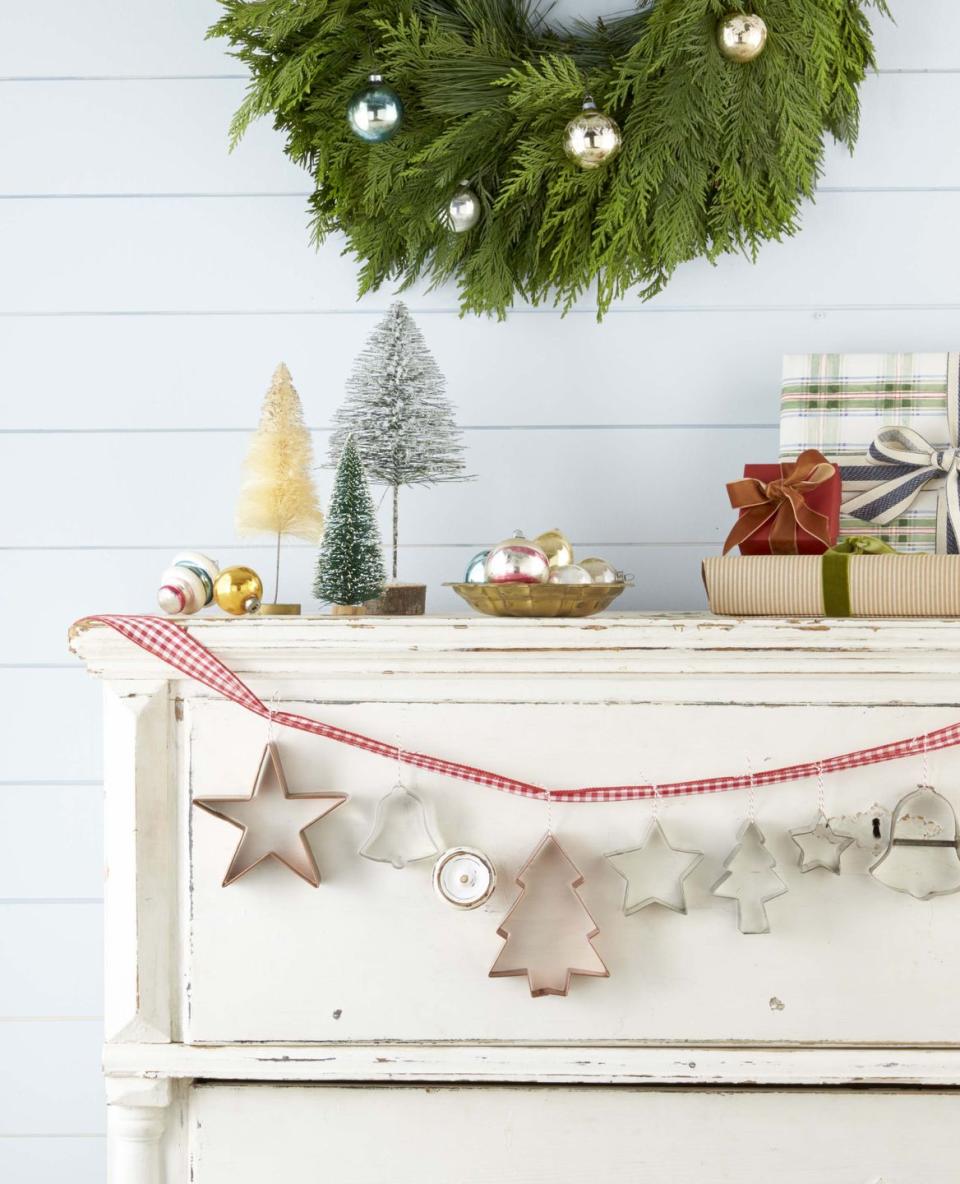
(186, 586)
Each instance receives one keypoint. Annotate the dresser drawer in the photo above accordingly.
(248, 1134)
(372, 954)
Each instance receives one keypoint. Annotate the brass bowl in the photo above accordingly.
(539, 600)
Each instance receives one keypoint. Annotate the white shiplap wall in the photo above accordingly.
(149, 282)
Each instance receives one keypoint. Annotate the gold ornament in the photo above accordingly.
(238, 590)
(600, 571)
(556, 546)
(591, 138)
(741, 36)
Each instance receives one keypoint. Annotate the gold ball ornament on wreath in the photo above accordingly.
(591, 138)
(463, 210)
(741, 36)
(238, 591)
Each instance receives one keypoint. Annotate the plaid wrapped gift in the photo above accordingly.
(891, 423)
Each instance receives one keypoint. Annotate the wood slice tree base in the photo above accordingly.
(279, 610)
(400, 600)
(350, 610)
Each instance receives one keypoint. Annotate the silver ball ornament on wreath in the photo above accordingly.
(591, 138)
(463, 210)
(741, 36)
(375, 111)
(517, 561)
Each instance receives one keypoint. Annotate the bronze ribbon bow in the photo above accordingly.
(783, 500)
(835, 571)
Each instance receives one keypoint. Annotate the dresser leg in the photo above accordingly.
(137, 1109)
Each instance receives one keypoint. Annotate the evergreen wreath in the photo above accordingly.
(717, 156)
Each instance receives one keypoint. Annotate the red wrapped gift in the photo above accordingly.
(792, 508)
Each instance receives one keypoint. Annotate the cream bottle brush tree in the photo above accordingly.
(398, 413)
(277, 494)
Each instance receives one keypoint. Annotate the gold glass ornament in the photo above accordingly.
(463, 210)
(591, 138)
(556, 546)
(238, 591)
(741, 36)
(600, 571)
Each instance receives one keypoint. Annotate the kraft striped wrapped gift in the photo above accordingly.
(793, 586)
(890, 421)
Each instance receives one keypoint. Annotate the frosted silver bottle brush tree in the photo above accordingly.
(397, 411)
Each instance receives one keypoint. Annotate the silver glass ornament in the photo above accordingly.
(741, 36)
(517, 561)
(591, 138)
(463, 211)
(570, 573)
(375, 111)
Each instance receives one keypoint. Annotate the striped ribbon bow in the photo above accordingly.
(911, 463)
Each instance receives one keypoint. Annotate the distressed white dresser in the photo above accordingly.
(271, 1031)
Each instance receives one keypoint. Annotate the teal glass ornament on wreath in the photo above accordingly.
(375, 111)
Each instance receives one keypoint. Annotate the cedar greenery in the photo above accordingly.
(717, 157)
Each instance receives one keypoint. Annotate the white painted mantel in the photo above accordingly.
(218, 997)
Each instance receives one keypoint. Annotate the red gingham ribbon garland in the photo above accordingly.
(170, 642)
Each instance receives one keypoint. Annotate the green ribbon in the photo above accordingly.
(835, 571)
